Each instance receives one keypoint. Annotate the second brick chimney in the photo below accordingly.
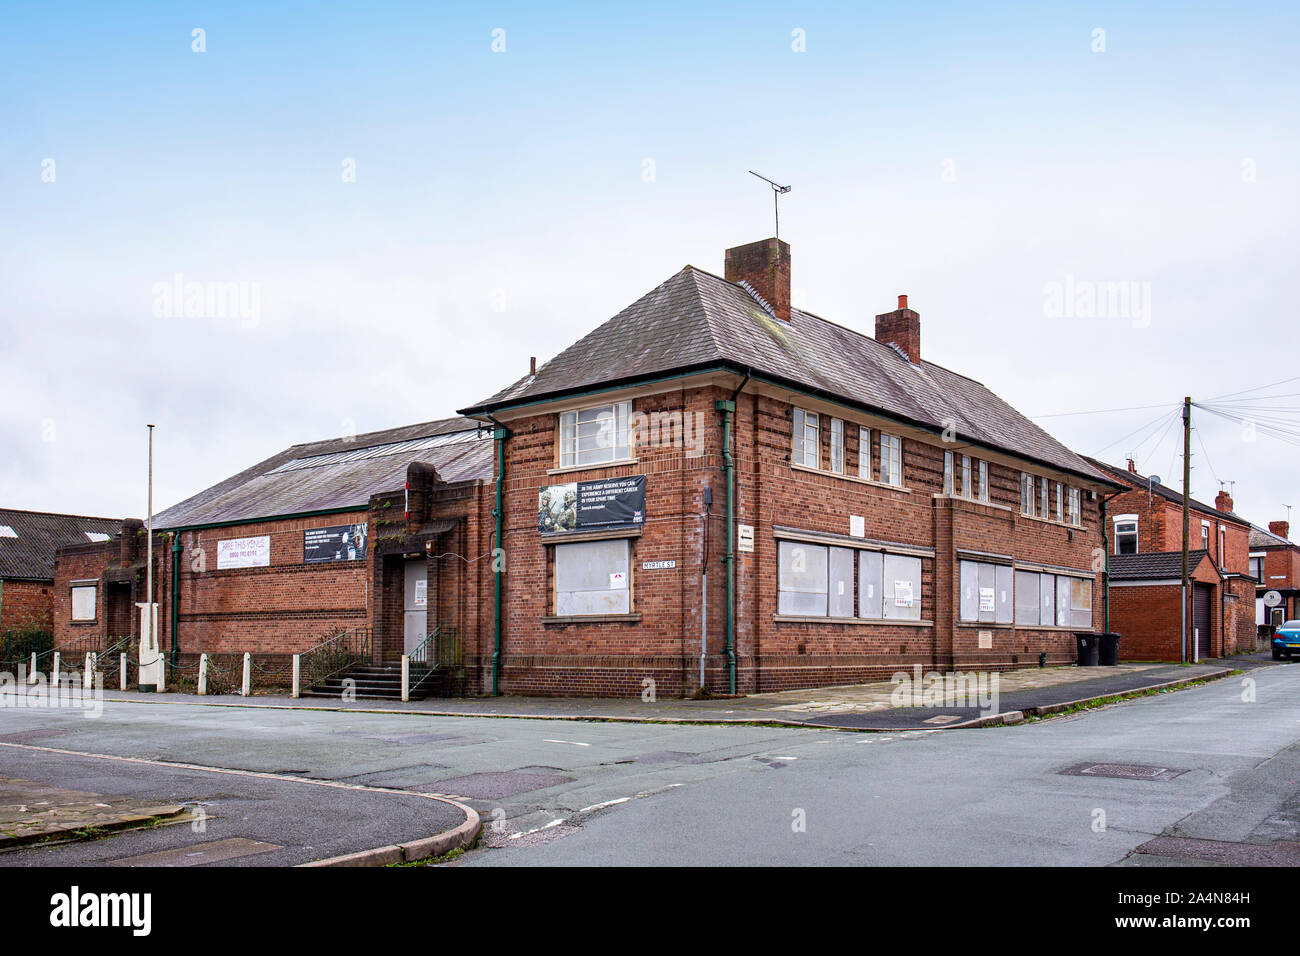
(902, 328)
(764, 266)
(1280, 528)
(1223, 501)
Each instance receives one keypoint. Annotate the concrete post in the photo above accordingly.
(297, 676)
(203, 675)
(54, 672)
(31, 674)
(247, 686)
(406, 678)
(122, 671)
(88, 674)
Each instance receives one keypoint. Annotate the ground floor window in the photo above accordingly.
(817, 581)
(593, 577)
(83, 602)
(985, 593)
(1052, 600)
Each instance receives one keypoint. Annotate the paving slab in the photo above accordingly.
(33, 812)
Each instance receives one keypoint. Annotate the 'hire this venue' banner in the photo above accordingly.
(592, 505)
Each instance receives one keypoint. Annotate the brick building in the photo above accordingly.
(370, 533)
(1274, 566)
(714, 474)
(28, 542)
(1144, 531)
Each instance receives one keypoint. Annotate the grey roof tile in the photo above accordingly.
(1153, 565)
(696, 319)
(30, 555)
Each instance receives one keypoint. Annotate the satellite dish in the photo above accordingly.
(1272, 598)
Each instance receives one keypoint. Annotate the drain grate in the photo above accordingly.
(1123, 771)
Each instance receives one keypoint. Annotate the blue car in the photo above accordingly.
(1286, 641)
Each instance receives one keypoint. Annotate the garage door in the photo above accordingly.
(1201, 619)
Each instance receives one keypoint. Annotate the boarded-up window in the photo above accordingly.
(1047, 599)
(1026, 598)
(1080, 602)
(841, 582)
(871, 570)
(970, 601)
(1002, 606)
(1062, 601)
(593, 577)
(802, 580)
(902, 587)
(83, 602)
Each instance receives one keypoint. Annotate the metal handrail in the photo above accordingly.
(439, 651)
(334, 654)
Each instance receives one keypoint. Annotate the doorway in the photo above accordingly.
(415, 604)
(1201, 619)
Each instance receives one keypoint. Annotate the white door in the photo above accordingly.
(416, 603)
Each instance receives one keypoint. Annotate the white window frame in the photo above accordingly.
(984, 481)
(1060, 505)
(581, 446)
(1115, 532)
(891, 460)
(83, 586)
(805, 437)
(1043, 502)
(864, 452)
(837, 446)
(966, 490)
(1075, 499)
(947, 473)
(975, 575)
(1026, 494)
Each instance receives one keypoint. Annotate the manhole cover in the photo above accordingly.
(1123, 771)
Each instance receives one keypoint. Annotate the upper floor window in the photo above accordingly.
(1076, 507)
(984, 480)
(966, 488)
(1205, 537)
(1223, 545)
(891, 459)
(864, 453)
(807, 442)
(1126, 534)
(837, 446)
(1026, 494)
(1042, 499)
(595, 436)
(1257, 567)
(947, 473)
(1060, 508)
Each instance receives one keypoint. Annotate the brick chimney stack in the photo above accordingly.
(765, 267)
(1132, 467)
(1223, 501)
(1280, 528)
(902, 328)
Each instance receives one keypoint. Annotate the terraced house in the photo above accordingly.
(716, 488)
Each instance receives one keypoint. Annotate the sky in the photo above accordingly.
(408, 200)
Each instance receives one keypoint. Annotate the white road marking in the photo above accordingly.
(575, 743)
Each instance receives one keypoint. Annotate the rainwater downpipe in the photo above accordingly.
(728, 409)
(499, 434)
(1105, 574)
(175, 615)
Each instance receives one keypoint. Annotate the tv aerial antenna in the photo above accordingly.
(777, 192)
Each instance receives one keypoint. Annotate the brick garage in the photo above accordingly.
(700, 349)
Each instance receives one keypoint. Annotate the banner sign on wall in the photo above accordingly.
(592, 505)
(244, 553)
(341, 543)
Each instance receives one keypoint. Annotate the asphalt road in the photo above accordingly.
(559, 792)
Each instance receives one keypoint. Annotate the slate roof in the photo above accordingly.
(30, 555)
(1263, 538)
(1164, 491)
(1154, 565)
(337, 473)
(696, 320)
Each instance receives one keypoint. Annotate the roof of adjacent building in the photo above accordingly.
(1137, 481)
(1154, 565)
(1263, 538)
(28, 540)
(696, 320)
(338, 473)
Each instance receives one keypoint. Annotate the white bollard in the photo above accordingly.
(122, 671)
(248, 674)
(88, 675)
(406, 678)
(297, 675)
(54, 673)
(203, 675)
(31, 674)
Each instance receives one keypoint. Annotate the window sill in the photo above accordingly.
(632, 618)
(1051, 521)
(847, 477)
(84, 623)
(870, 621)
(984, 625)
(606, 464)
(603, 534)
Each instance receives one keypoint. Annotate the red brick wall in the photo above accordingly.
(27, 604)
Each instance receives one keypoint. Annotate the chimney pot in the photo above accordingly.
(532, 365)
(1280, 528)
(1223, 501)
(1132, 467)
(765, 267)
(901, 328)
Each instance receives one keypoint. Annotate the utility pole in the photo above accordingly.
(1187, 480)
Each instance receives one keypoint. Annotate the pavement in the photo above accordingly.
(1017, 693)
(34, 812)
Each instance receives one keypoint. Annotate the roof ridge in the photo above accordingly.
(56, 514)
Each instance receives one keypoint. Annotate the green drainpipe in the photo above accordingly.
(176, 578)
(501, 433)
(728, 408)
